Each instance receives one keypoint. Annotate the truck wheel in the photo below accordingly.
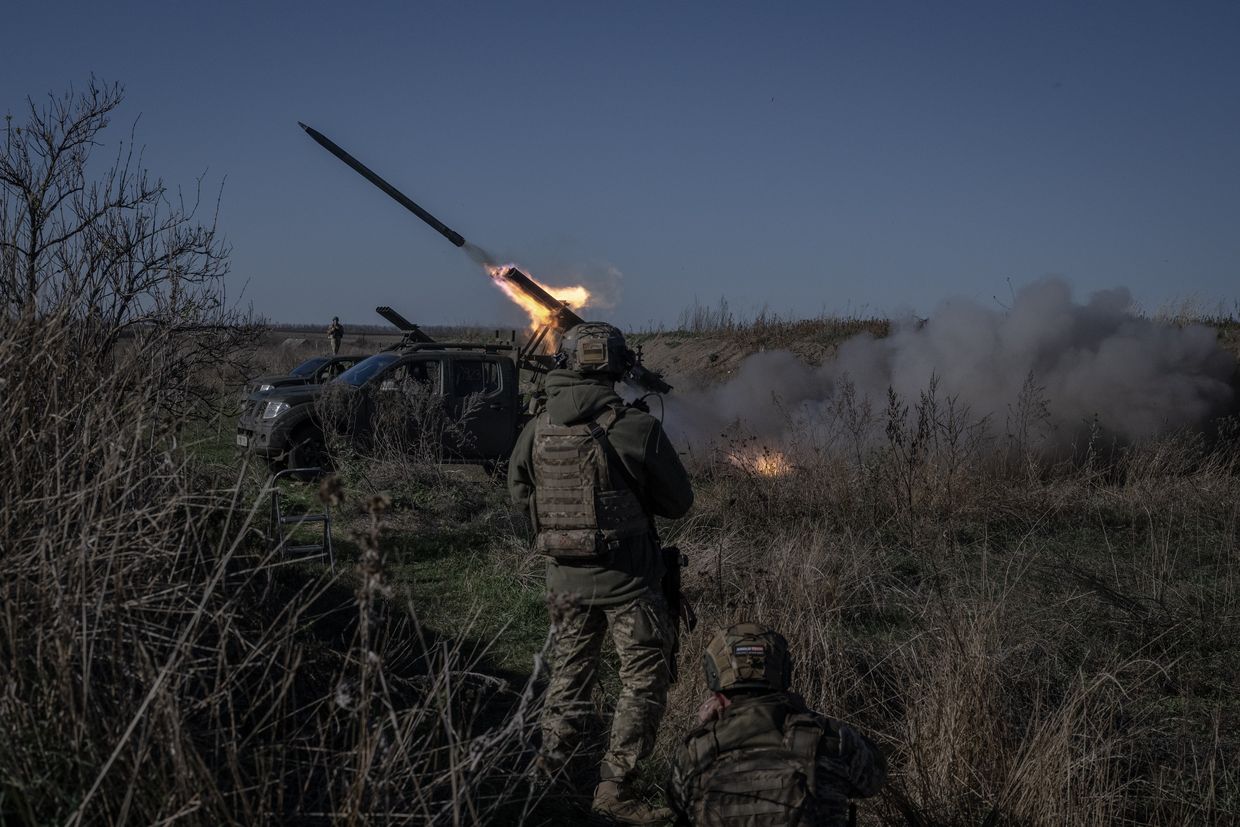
(308, 451)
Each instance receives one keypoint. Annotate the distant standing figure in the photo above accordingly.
(761, 757)
(335, 332)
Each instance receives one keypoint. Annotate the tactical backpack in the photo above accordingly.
(580, 514)
(757, 786)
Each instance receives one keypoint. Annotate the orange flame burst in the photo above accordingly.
(765, 462)
(575, 296)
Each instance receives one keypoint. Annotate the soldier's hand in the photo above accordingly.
(712, 707)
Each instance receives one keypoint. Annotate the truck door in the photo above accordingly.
(483, 400)
(407, 403)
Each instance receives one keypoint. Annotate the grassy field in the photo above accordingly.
(1030, 642)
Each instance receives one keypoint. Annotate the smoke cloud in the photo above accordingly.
(478, 255)
(1097, 362)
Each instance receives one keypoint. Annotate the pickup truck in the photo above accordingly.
(475, 387)
(314, 371)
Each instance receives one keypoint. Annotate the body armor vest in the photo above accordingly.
(752, 771)
(581, 510)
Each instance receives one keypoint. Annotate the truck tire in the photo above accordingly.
(307, 450)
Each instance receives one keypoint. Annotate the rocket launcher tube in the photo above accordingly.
(562, 314)
(637, 374)
(398, 196)
(565, 317)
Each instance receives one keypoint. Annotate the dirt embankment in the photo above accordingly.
(699, 359)
(691, 360)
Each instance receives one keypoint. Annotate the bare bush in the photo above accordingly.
(121, 258)
(158, 661)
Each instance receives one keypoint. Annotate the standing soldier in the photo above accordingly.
(760, 757)
(592, 473)
(335, 332)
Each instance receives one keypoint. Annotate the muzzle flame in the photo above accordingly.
(576, 296)
(764, 462)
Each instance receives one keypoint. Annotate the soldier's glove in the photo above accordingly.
(854, 752)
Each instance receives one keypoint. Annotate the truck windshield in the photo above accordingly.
(367, 368)
(308, 367)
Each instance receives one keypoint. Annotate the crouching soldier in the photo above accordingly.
(592, 473)
(760, 758)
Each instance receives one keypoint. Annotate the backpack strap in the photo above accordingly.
(598, 430)
(802, 735)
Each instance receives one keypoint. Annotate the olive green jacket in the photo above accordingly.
(649, 457)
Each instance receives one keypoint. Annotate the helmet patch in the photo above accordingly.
(594, 347)
(593, 353)
(747, 656)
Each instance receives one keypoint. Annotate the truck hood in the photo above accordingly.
(295, 394)
(277, 379)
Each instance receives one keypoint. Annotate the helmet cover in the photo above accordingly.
(594, 347)
(747, 656)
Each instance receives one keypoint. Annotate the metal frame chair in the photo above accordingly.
(280, 522)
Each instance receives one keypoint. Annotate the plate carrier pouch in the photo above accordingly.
(757, 786)
(580, 513)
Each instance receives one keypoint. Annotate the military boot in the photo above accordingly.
(613, 805)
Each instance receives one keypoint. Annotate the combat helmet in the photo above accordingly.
(748, 656)
(594, 348)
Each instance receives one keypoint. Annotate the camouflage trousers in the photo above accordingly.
(335, 340)
(640, 631)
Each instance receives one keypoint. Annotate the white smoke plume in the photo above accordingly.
(1098, 362)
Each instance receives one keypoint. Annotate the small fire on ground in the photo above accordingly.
(764, 462)
(576, 296)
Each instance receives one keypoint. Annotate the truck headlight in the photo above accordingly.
(265, 387)
(274, 409)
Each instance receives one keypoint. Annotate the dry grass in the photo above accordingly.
(161, 664)
(1032, 642)
(767, 328)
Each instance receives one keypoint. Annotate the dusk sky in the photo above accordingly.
(842, 157)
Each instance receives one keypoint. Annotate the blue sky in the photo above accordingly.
(829, 156)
